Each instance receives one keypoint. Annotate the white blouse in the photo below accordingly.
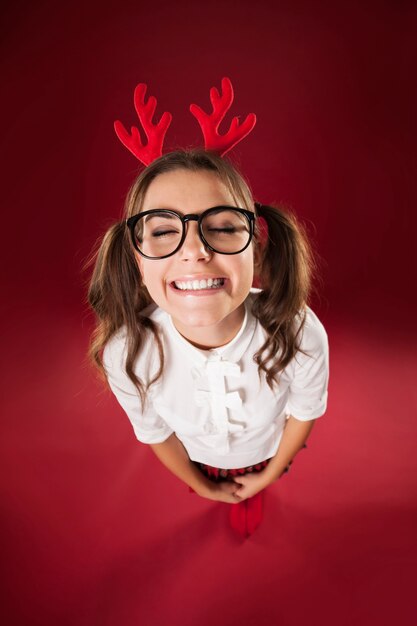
(214, 400)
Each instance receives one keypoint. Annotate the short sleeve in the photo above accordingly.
(310, 376)
(148, 426)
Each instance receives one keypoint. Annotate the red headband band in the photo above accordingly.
(209, 123)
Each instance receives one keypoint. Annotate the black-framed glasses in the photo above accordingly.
(160, 233)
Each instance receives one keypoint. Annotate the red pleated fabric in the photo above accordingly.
(246, 516)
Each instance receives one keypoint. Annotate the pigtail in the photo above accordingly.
(118, 296)
(285, 270)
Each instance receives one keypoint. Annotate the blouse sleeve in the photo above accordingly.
(148, 426)
(308, 388)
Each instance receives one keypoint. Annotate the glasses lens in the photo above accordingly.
(226, 231)
(158, 234)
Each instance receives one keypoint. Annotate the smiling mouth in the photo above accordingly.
(197, 285)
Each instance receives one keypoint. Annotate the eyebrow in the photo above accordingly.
(167, 216)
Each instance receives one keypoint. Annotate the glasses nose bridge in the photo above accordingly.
(189, 245)
(190, 217)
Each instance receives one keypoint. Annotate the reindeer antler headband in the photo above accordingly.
(209, 123)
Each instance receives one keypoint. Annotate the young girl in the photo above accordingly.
(223, 381)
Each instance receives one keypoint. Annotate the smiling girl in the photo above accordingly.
(223, 381)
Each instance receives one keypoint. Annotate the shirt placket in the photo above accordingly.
(221, 401)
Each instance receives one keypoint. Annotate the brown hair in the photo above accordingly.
(119, 297)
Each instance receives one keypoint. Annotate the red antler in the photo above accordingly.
(210, 122)
(155, 133)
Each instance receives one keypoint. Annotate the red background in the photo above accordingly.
(94, 530)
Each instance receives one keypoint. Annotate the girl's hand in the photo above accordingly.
(249, 484)
(223, 492)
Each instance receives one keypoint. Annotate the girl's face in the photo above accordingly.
(208, 318)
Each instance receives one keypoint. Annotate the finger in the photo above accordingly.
(229, 487)
(240, 493)
(236, 492)
(230, 491)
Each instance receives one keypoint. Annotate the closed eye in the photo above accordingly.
(229, 229)
(164, 233)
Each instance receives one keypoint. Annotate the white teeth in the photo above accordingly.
(195, 285)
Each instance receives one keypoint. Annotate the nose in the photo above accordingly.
(193, 249)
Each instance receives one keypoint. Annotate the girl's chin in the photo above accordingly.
(210, 328)
(198, 321)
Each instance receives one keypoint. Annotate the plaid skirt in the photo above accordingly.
(216, 474)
